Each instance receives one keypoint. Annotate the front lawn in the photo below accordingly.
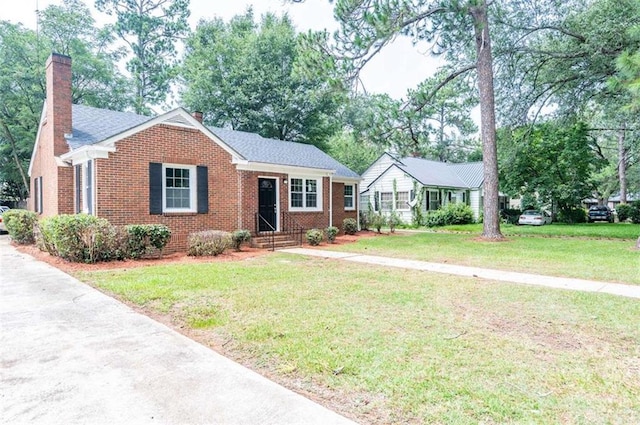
(386, 346)
(611, 260)
(585, 230)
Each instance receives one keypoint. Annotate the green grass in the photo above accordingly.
(399, 346)
(586, 230)
(611, 260)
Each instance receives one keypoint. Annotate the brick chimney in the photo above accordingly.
(198, 116)
(58, 72)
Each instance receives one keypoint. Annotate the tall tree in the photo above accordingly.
(457, 28)
(151, 29)
(67, 29)
(246, 76)
(553, 162)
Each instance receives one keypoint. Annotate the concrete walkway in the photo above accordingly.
(72, 355)
(632, 291)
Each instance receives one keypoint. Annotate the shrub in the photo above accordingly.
(450, 214)
(624, 211)
(208, 242)
(571, 215)
(146, 238)
(239, 237)
(81, 238)
(332, 232)
(510, 216)
(19, 224)
(365, 221)
(393, 221)
(634, 215)
(377, 221)
(314, 237)
(349, 226)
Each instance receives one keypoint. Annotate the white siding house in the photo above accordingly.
(398, 184)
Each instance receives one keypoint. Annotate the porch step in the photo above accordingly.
(279, 241)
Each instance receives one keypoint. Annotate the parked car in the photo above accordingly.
(534, 217)
(600, 213)
(3, 209)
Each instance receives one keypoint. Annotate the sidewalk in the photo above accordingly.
(632, 291)
(70, 355)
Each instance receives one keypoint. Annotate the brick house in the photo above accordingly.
(172, 169)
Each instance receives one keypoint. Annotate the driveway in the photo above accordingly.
(72, 355)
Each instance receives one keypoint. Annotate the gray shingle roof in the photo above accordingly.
(255, 148)
(443, 174)
(93, 125)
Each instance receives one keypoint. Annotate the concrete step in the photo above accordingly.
(279, 241)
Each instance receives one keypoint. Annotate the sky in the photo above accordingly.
(398, 67)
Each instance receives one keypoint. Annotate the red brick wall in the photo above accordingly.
(122, 182)
(57, 182)
(339, 213)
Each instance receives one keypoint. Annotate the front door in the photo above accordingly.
(267, 205)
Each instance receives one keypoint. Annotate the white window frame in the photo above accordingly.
(89, 187)
(352, 196)
(386, 205)
(319, 194)
(193, 189)
(402, 204)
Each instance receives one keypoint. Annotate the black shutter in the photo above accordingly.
(376, 201)
(203, 189)
(155, 188)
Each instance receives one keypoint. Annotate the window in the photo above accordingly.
(386, 201)
(88, 187)
(78, 170)
(433, 200)
(303, 194)
(37, 188)
(178, 188)
(348, 197)
(402, 200)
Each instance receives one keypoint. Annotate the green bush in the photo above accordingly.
(393, 221)
(450, 214)
(510, 215)
(81, 238)
(571, 215)
(146, 239)
(208, 242)
(314, 237)
(332, 232)
(239, 237)
(19, 224)
(365, 221)
(378, 221)
(349, 226)
(624, 211)
(634, 215)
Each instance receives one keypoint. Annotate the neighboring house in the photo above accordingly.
(398, 184)
(173, 170)
(612, 202)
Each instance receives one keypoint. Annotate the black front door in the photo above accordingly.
(267, 205)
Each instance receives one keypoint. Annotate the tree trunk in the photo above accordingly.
(14, 154)
(622, 165)
(491, 227)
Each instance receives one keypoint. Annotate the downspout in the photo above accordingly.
(240, 200)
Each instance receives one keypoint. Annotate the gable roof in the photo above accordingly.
(94, 125)
(255, 148)
(441, 174)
